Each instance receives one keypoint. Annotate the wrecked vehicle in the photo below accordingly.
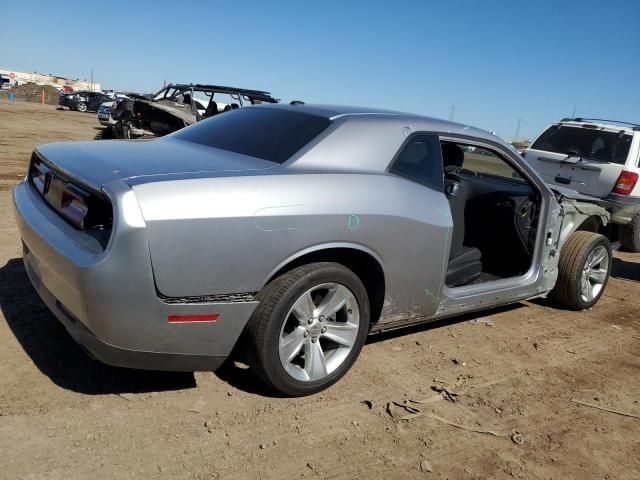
(176, 106)
(292, 232)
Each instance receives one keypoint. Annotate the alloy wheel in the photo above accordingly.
(594, 273)
(319, 332)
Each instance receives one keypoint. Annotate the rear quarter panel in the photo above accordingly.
(230, 235)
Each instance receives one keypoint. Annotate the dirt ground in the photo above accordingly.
(30, 92)
(63, 415)
(24, 125)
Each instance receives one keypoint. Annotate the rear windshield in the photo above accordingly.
(267, 133)
(589, 143)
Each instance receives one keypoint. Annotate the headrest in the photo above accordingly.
(452, 155)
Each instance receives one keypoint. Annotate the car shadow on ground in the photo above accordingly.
(57, 355)
(238, 375)
(625, 270)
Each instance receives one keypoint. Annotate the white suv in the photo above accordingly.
(598, 158)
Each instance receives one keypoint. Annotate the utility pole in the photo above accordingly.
(92, 79)
(517, 135)
(453, 110)
(573, 115)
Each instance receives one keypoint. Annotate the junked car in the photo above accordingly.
(598, 158)
(106, 120)
(290, 233)
(176, 106)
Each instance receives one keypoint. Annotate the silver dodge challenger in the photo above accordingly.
(289, 233)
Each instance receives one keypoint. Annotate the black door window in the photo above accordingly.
(420, 160)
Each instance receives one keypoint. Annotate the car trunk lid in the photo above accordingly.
(98, 163)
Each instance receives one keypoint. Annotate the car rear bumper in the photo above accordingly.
(623, 207)
(107, 299)
(104, 116)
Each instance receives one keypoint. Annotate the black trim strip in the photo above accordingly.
(218, 298)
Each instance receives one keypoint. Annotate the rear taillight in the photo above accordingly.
(74, 204)
(85, 209)
(626, 182)
(41, 177)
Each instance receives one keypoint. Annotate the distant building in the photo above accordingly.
(20, 78)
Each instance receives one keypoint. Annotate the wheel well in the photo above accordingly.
(591, 224)
(365, 266)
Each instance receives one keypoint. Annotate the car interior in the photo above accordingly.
(495, 216)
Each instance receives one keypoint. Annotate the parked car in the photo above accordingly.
(104, 112)
(176, 106)
(292, 232)
(598, 158)
(83, 101)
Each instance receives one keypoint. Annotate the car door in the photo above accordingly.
(499, 291)
(585, 158)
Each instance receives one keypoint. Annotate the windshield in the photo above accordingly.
(591, 144)
(267, 133)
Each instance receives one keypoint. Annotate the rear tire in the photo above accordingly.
(630, 235)
(291, 345)
(583, 270)
(81, 107)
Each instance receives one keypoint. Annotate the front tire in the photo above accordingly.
(81, 107)
(630, 235)
(583, 270)
(309, 328)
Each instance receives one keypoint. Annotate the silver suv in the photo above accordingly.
(598, 158)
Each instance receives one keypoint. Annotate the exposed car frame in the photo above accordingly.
(171, 108)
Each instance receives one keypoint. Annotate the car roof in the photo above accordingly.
(417, 122)
(613, 125)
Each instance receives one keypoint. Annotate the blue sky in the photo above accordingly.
(496, 61)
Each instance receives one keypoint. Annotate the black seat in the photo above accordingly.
(211, 110)
(464, 262)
